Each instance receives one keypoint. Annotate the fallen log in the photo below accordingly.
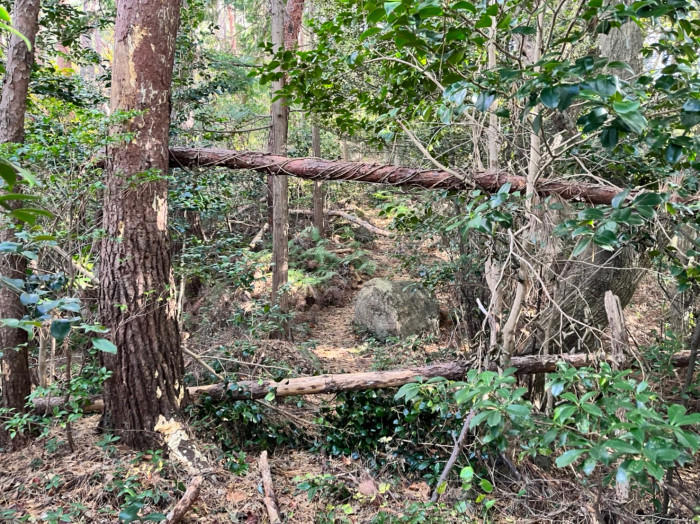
(347, 216)
(319, 169)
(456, 370)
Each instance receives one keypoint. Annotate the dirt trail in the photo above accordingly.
(337, 345)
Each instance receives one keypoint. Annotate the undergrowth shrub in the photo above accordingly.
(374, 425)
(242, 424)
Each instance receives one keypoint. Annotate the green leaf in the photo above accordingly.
(494, 419)
(389, 7)
(154, 517)
(567, 93)
(375, 16)
(468, 6)
(523, 30)
(667, 455)
(619, 198)
(556, 388)
(591, 213)
(483, 22)
(478, 419)
(621, 446)
(609, 137)
(486, 485)
(4, 15)
(562, 413)
(673, 153)
(687, 439)
(467, 474)
(484, 101)
(104, 345)
(60, 328)
(15, 32)
(606, 239)
(581, 246)
(8, 173)
(47, 306)
(605, 85)
(647, 199)
(625, 107)
(675, 412)
(589, 465)
(28, 298)
(689, 420)
(550, 97)
(654, 470)
(130, 513)
(593, 120)
(690, 115)
(518, 410)
(592, 409)
(635, 121)
(568, 457)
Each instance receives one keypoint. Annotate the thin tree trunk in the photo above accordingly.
(319, 193)
(279, 186)
(137, 289)
(16, 382)
(285, 25)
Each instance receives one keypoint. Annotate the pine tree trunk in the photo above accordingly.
(137, 289)
(16, 383)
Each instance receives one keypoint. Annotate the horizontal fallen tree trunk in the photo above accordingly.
(456, 370)
(347, 216)
(319, 169)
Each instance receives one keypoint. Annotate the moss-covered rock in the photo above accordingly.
(395, 308)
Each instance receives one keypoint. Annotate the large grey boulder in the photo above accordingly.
(387, 308)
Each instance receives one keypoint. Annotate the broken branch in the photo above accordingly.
(269, 497)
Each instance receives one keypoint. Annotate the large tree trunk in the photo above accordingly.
(580, 296)
(582, 284)
(136, 282)
(320, 169)
(16, 384)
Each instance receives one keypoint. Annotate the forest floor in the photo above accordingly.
(46, 482)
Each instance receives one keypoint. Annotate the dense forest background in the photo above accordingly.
(349, 261)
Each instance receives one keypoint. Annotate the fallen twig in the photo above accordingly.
(269, 492)
(456, 450)
(184, 504)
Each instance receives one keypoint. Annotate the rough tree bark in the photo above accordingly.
(583, 282)
(279, 186)
(137, 292)
(319, 193)
(16, 383)
(319, 169)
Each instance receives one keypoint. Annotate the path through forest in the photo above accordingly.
(337, 343)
